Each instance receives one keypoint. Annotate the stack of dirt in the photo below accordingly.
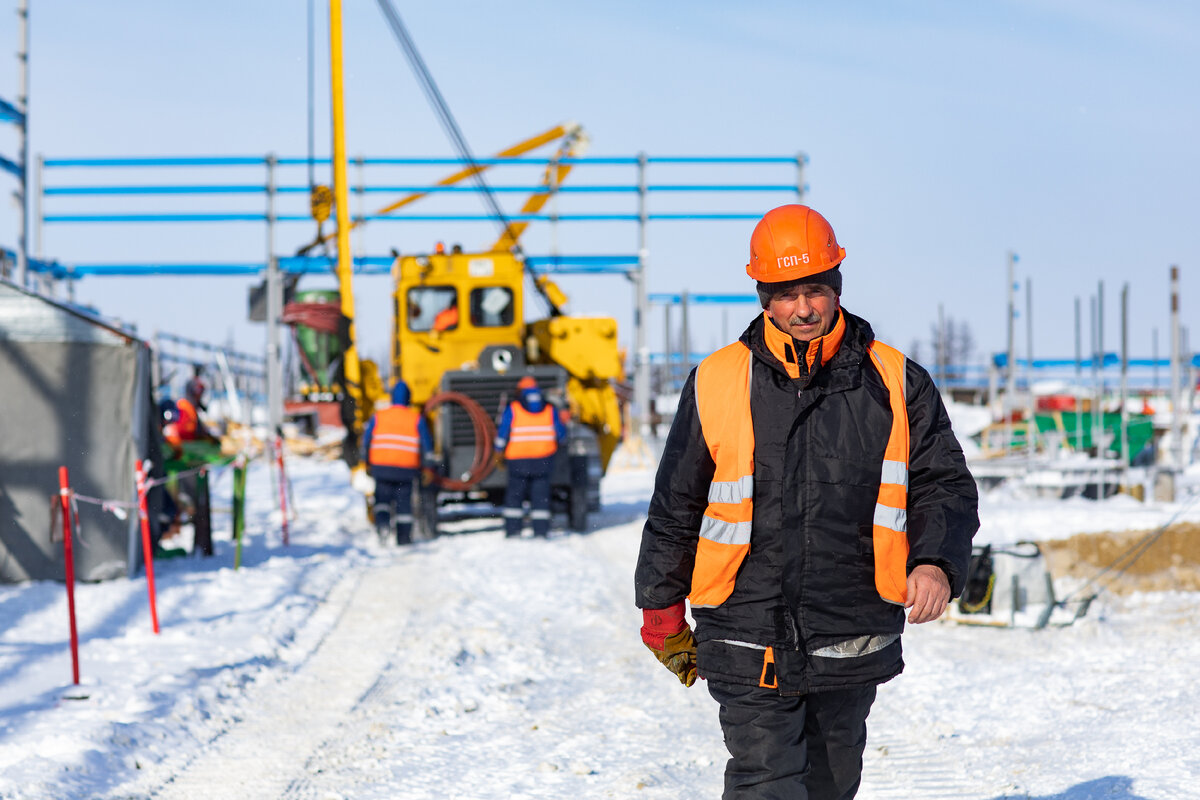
(1171, 562)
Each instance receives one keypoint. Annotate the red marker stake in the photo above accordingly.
(282, 486)
(64, 495)
(147, 550)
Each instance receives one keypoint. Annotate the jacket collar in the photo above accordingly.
(785, 349)
(839, 352)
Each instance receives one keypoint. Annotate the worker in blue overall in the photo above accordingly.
(396, 442)
(529, 434)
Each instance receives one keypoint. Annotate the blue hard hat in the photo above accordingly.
(532, 399)
(400, 394)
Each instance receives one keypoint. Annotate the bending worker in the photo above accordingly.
(396, 441)
(188, 425)
(810, 491)
(529, 435)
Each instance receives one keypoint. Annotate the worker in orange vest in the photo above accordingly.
(529, 434)
(189, 426)
(396, 442)
(810, 490)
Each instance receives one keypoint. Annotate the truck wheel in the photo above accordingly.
(427, 512)
(577, 510)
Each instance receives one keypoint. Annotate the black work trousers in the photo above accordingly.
(793, 748)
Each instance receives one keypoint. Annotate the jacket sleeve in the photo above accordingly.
(685, 470)
(504, 428)
(560, 428)
(428, 453)
(368, 432)
(943, 500)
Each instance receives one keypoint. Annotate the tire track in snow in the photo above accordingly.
(265, 755)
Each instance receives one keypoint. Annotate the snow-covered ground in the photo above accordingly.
(474, 667)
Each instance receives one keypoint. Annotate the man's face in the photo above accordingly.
(806, 311)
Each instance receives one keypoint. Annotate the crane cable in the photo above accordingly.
(320, 196)
(442, 110)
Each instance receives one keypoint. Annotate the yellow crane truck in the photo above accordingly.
(461, 341)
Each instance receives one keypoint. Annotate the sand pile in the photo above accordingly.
(1169, 562)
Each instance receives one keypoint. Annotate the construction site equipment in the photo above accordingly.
(1011, 587)
(460, 331)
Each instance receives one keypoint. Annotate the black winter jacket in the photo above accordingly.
(808, 581)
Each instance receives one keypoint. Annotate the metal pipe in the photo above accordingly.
(685, 344)
(668, 368)
(23, 107)
(1078, 377)
(1010, 382)
(1031, 432)
(1176, 364)
(274, 286)
(641, 311)
(1124, 383)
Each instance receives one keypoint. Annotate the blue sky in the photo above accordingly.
(940, 135)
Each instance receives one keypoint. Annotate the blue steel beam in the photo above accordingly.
(241, 161)
(668, 299)
(363, 265)
(252, 188)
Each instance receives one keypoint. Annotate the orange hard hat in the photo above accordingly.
(792, 242)
(527, 383)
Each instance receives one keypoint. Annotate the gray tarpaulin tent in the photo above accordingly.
(75, 391)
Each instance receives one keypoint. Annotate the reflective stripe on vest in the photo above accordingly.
(723, 383)
(395, 441)
(532, 435)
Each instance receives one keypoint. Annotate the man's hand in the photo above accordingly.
(668, 636)
(928, 593)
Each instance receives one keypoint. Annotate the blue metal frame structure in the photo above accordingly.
(576, 264)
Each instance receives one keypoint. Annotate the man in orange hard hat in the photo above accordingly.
(529, 434)
(810, 490)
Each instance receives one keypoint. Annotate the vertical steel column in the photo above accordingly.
(37, 208)
(23, 107)
(361, 191)
(1031, 432)
(1010, 376)
(1176, 359)
(1124, 383)
(801, 160)
(685, 343)
(668, 367)
(641, 378)
(1078, 377)
(274, 285)
(941, 349)
(1098, 415)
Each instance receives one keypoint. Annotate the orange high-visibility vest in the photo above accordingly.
(189, 419)
(723, 383)
(395, 441)
(532, 435)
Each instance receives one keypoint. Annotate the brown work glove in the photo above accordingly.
(666, 633)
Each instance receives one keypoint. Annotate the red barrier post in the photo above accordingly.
(64, 495)
(147, 549)
(282, 485)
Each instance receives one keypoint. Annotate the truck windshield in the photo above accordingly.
(425, 303)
